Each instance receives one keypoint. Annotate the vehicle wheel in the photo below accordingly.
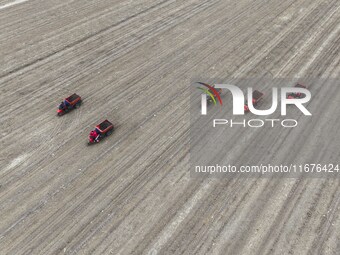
(77, 105)
(109, 132)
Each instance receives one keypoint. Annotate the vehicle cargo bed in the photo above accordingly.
(104, 125)
(257, 94)
(72, 98)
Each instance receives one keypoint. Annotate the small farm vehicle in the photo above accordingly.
(72, 102)
(102, 130)
(257, 96)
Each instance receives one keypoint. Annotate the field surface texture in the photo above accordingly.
(133, 63)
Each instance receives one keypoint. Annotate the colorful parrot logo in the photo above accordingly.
(211, 92)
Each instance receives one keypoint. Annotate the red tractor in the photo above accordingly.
(298, 94)
(70, 103)
(257, 96)
(102, 130)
